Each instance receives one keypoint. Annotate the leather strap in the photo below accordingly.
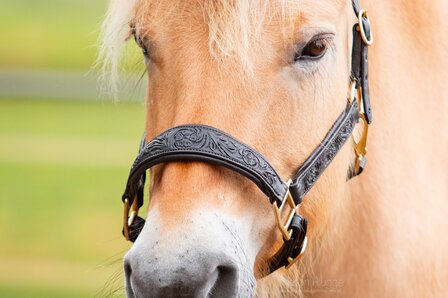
(208, 144)
(356, 7)
(321, 157)
(360, 65)
(307, 176)
(292, 248)
(141, 182)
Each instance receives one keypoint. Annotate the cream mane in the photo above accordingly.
(232, 26)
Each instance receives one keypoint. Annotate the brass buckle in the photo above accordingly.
(355, 93)
(361, 146)
(278, 213)
(363, 14)
(128, 219)
(292, 261)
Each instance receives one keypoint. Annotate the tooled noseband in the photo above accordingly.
(207, 144)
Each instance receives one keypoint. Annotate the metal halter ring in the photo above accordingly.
(363, 15)
(128, 219)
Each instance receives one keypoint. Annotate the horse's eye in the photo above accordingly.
(314, 50)
(141, 44)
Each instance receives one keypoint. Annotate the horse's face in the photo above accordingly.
(277, 85)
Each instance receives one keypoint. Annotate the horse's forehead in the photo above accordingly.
(167, 12)
(230, 28)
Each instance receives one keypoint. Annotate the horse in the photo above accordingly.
(276, 74)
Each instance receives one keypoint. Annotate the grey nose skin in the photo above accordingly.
(203, 255)
(199, 277)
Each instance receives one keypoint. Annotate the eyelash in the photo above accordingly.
(140, 44)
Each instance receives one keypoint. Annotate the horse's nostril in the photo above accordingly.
(127, 269)
(226, 284)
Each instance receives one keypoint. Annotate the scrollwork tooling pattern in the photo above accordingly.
(324, 154)
(207, 140)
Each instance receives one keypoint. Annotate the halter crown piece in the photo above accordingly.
(207, 144)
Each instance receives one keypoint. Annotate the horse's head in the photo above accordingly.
(273, 74)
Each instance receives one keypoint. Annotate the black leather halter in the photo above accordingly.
(207, 144)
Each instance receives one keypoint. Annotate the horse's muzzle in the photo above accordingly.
(197, 276)
(186, 262)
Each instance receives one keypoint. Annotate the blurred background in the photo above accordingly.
(65, 152)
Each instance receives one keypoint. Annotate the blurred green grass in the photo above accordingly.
(63, 166)
(63, 163)
(49, 33)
